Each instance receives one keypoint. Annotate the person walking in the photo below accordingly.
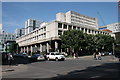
(94, 56)
(99, 56)
(10, 59)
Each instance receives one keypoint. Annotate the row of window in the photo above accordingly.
(83, 19)
(79, 15)
(82, 22)
(65, 26)
(77, 28)
(39, 31)
(38, 37)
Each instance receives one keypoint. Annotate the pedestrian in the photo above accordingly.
(10, 59)
(99, 56)
(94, 56)
(74, 56)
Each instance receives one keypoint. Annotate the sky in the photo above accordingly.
(14, 14)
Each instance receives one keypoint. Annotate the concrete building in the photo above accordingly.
(46, 38)
(76, 18)
(31, 25)
(4, 37)
(19, 32)
(115, 28)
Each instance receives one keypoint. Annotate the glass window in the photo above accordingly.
(69, 26)
(65, 26)
(74, 27)
(59, 25)
(44, 28)
(78, 28)
(59, 32)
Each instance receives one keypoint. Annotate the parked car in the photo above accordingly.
(37, 57)
(55, 56)
(106, 53)
(21, 55)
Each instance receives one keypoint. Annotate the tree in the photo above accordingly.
(74, 40)
(13, 48)
(103, 42)
(81, 43)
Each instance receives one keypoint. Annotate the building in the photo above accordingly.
(19, 32)
(46, 38)
(115, 28)
(31, 25)
(4, 37)
(76, 18)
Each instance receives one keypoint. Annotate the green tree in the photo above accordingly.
(13, 48)
(73, 40)
(103, 42)
(82, 43)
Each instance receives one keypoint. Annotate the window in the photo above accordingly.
(59, 32)
(82, 29)
(85, 30)
(74, 27)
(78, 28)
(44, 28)
(69, 27)
(52, 53)
(65, 26)
(89, 31)
(59, 25)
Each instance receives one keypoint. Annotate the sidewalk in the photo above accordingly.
(90, 56)
(6, 69)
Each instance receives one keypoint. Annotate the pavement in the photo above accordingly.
(19, 67)
(82, 67)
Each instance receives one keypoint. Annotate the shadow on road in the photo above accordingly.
(19, 60)
(107, 70)
(110, 71)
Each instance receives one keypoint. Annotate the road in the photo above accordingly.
(84, 67)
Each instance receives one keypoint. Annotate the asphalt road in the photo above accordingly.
(84, 67)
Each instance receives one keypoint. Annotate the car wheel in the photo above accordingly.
(63, 59)
(48, 59)
(56, 59)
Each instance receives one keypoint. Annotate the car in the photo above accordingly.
(21, 55)
(55, 56)
(37, 57)
(106, 53)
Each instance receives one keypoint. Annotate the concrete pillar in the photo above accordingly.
(48, 47)
(84, 30)
(24, 49)
(31, 48)
(35, 48)
(56, 45)
(80, 28)
(27, 49)
(87, 31)
(21, 50)
(40, 48)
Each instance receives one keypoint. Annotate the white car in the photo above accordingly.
(55, 56)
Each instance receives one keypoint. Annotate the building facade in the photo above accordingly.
(46, 38)
(76, 18)
(115, 28)
(19, 32)
(31, 25)
(4, 37)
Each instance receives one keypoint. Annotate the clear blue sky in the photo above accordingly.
(14, 14)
